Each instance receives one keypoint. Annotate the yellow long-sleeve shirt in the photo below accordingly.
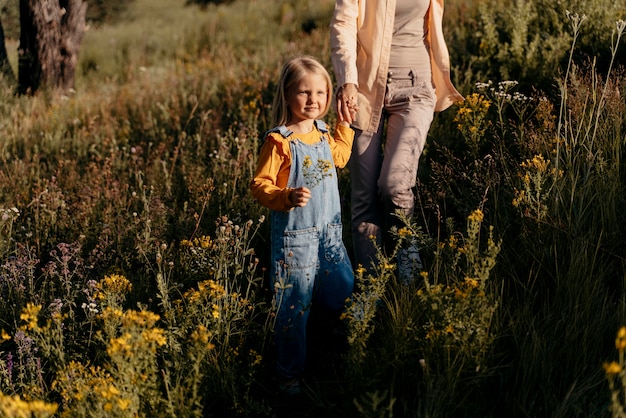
(269, 185)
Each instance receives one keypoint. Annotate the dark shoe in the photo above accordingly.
(409, 264)
(290, 387)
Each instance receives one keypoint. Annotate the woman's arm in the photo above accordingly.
(343, 41)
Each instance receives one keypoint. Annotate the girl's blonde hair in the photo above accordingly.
(293, 71)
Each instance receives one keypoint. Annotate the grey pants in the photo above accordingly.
(383, 166)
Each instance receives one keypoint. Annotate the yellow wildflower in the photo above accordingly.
(120, 345)
(123, 403)
(155, 335)
(29, 315)
(216, 311)
(405, 232)
(612, 368)
(4, 336)
(115, 283)
(471, 282)
(140, 318)
(476, 216)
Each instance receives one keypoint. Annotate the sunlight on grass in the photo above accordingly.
(133, 268)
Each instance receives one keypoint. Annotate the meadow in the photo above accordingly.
(134, 261)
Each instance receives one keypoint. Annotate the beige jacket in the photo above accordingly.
(360, 41)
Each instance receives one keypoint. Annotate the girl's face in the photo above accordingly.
(307, 99)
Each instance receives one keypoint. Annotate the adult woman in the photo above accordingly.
(392, 65)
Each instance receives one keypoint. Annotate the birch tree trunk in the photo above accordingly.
(50, 37)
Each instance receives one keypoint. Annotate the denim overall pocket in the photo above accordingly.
(333, 244)
(301, 247)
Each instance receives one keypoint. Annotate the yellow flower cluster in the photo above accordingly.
(121, 345)
(202, 335)
(29, 315)
(471, 119)
(257, 358)
(612, 368)
(536, 182)
(113, 284)
(204, 242)
(155, 337)
(405, 232)
(315, 173)
(113, 396)
(537, 163)
(476, 216)
(145, 319)
(15, 407)
(129, 341)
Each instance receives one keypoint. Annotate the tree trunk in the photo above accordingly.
(50, 37)
(6, 71)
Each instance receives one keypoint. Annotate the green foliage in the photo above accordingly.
(423, 339)
(526, 41)
(207, 2)
(98, 12)
(127, 226)
(550, 174)
(106, 11)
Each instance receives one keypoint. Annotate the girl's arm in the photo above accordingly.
(270, 180)
(269, 183)
(341, 144)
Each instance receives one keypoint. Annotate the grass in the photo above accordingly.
(133, 278)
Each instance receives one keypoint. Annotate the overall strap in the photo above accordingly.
(286, 133)
(321, 126)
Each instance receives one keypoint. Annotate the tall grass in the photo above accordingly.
(133, 278)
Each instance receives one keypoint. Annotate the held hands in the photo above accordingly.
(300, 196)
(347, 103)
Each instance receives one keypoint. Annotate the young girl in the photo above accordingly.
(296, 179)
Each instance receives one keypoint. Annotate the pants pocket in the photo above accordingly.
(424, 92)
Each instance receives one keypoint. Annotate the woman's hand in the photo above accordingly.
(347, 102)
(300, 196)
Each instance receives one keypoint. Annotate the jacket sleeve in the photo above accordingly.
(446, 93)
(343, 41)
(341, 145)
(274, 158)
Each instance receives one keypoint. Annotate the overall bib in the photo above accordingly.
(309, 260)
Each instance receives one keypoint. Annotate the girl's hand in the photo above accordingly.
(300, 196)
(347, 103)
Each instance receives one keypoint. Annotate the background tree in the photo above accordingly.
(6, 71)
(50, 37)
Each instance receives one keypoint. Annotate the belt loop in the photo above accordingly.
(412, 75)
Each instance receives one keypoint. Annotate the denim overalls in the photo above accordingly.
(309, 259)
